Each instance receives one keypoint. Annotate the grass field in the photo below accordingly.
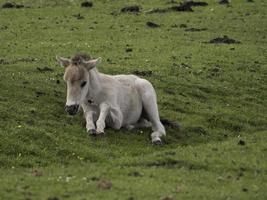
(217, 92)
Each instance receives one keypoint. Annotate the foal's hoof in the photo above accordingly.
(157, 142)
(100, 133)
(95, 133)
(92, 132)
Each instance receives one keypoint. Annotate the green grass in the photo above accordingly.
(218, 93)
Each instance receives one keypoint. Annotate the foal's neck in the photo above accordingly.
(94, 83)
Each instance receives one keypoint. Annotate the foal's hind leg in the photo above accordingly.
(142, 123)
(149, 101)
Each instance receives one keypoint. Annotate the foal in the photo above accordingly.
(114, 101)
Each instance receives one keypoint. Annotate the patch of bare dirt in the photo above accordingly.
(142, 73)
(152, 25)
(44, 69)
(224, 2)
(131, 9)
(3, 28)
(182, 7)
(87, 4)
(224, 40)
(12, 5)
(196, 3)
(241, 142)
(39, 93)
(172, 2)
(195, 29)
(128, 49)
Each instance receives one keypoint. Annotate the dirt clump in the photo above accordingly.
(195, 3)
(40, 93)
(179, 8)
(224, 2)
(131, 9)
(36, 172)
(44, 69)
(135, 174)
(104, 184)
(8, 5)
(171, 2)
(128, 50)
(3, 62)
(87, 4)
(182, 7)
(195, 29)
(2, 28)
(142, 73)
(167, 198)
(241, 142)
(94, 178)
(152, 25)
(12, 5)
(224, 40)
(78, 16)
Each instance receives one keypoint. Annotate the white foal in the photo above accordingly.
(116, 101)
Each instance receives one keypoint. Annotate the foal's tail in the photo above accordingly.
(170, 123)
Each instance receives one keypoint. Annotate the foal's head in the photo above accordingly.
(77, 79)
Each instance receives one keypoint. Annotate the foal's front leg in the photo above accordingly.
(100, 123)
(90, 125)
(91, 113)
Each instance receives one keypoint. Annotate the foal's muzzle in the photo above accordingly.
(72, 109)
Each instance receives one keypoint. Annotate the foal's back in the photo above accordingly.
(126, 79)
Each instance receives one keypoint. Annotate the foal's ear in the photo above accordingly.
(92, 63)
(64, 62)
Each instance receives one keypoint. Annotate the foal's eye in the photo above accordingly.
(83, 83)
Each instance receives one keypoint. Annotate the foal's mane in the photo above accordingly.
(78, 57)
